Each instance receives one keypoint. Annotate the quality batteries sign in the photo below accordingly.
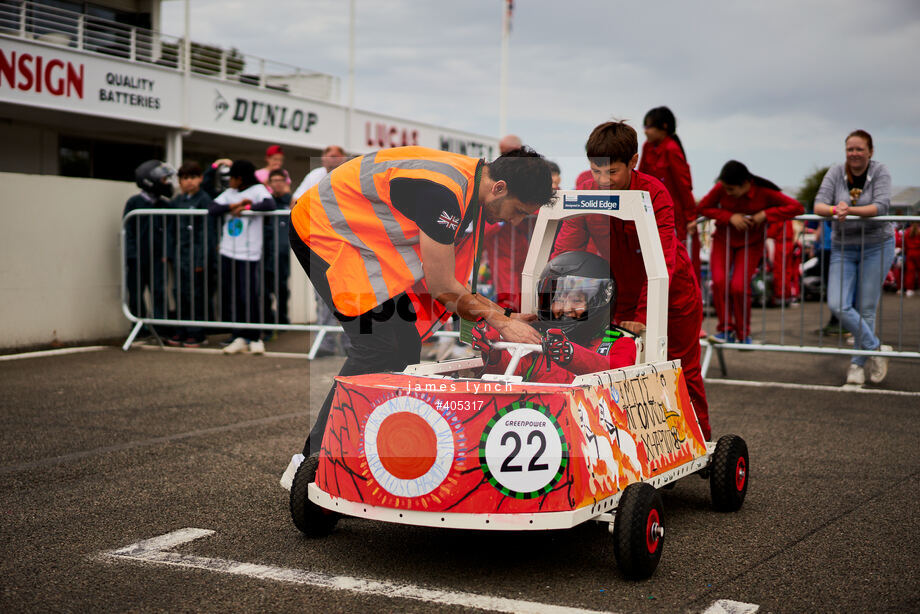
(591, 202)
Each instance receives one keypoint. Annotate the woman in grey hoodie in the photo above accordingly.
(861, 251)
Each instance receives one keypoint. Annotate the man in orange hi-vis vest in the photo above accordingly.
(384, 239)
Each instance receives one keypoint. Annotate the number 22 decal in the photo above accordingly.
(522, 450)
(533, 465)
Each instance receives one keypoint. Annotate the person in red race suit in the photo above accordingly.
(910, 244)
(575, 298)
(663, 157)
(786, 260)
(740, 203)
(613, 152)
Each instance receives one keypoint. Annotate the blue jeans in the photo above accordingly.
(864, 268)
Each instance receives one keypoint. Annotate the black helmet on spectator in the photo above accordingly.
(576, 293)
(153, 177)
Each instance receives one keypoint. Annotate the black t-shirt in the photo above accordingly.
(857, 181)
(430, 205)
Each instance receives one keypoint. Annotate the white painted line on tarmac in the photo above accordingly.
(155, 551)
(726, 606)
(857, 389)
(58, 352)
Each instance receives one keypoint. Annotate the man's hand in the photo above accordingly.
(557, 347)
(516, 330)
(741, 221)
(692, 228)
(760, 217)
(483, 338)
(523, 317)
(635, 328)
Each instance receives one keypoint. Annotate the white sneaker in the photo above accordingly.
(236, 346)
(287, 479)
(877, 366)
(257, 346)
(910, 293)
(856, 376)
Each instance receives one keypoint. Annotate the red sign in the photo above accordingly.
(27, 72)
(384, 135)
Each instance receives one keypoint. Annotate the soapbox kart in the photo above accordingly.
(428, 447)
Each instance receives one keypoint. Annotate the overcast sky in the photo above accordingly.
(777, 85)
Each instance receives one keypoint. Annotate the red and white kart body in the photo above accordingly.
(425, 447)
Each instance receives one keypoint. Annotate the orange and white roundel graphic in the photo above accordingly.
(409, 446)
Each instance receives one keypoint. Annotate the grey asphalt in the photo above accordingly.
(103, 449)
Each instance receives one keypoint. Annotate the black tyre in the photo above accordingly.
(311, 519)
(729, 474)
(638, 531)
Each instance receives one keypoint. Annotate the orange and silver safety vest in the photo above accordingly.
(372, 249)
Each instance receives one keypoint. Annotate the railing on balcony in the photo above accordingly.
(57, 26)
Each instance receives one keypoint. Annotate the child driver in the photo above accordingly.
(576, 297)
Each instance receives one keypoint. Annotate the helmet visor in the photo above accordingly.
(574, 297)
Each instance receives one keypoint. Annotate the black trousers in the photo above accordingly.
(240, 295)
(384, 339)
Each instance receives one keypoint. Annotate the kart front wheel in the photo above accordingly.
(311, 519)
(729, 474)
(638, 531)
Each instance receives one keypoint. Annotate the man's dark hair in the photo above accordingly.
(278, 172)
(190, 168)
(612, 142)
(245, 170)
(526, 174)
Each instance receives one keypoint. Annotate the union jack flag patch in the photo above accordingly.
(449, 220)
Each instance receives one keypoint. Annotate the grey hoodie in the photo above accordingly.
(877, 191)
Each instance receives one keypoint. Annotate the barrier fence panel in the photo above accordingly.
(176, 281)
(773, 292)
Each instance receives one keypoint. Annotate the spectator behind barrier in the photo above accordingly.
(277, 261)
(241, 254)
(192, 242)
(274, 161)
(740, 203)
(861, 253)
(145, 262)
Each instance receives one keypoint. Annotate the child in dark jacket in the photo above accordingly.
(192, 247)
(576, 299)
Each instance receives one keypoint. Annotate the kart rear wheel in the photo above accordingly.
(638, 531)
(311, 519)
(730, 474)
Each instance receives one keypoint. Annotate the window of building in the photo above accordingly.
(98, 159)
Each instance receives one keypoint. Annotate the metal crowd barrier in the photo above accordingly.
(160, 289)
(784, 321)
(779, 322)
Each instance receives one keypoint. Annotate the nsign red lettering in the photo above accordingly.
(55, 86)
(74, 80)
(26, 71)
(8, 68)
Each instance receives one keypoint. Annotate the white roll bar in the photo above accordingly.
(632, 205)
